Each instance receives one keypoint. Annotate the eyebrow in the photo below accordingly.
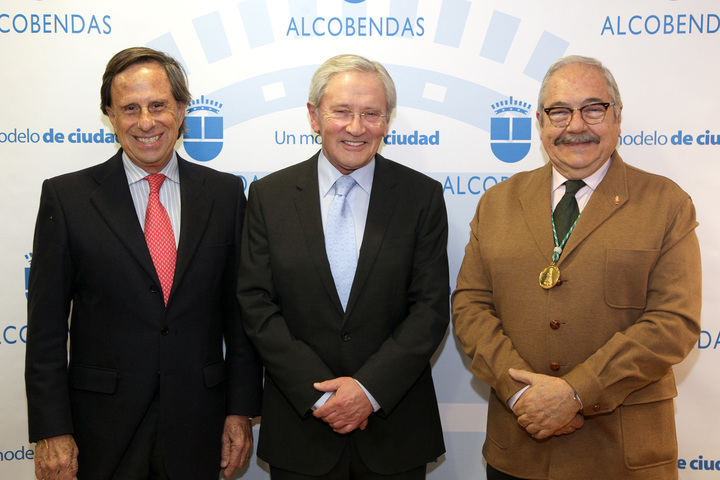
(587, 101)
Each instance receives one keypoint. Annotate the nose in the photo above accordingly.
(577, 124)
(145, 120)
(356, 126)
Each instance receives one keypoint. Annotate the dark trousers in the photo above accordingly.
(143, 459)
(493, 474)
(350, 467)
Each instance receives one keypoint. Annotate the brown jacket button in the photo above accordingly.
(554, 324)
(596, 407)
(554, 366)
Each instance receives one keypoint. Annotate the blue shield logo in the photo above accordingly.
(204, 136)
(510, 130)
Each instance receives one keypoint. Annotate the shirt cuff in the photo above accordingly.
(321, 401)
(513, 400)
(373, 402)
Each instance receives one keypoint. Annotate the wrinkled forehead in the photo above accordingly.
(577, 82)
(354, 84)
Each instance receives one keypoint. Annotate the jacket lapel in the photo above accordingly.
(307, 205)
(195, 208)
(608, 198)
(536, 207)
(113, 201)
(383, 199)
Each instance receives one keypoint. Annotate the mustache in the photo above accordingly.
(577, 138)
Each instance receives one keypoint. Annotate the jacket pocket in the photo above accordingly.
(214, 374)
(626, 277)
(648, 432)
(93, 379)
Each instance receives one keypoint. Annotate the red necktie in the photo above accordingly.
(159, 236)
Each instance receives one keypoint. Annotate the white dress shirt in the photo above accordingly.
(169, 191)
(359, 196)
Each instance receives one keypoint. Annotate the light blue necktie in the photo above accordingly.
(340, 239)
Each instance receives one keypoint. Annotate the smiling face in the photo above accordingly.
(578, 150)
(350, 145)
(145, 115)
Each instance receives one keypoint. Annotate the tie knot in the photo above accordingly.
(155, 180)
(344, 184)
(572, 186)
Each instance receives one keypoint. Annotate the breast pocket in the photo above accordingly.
(626, 277)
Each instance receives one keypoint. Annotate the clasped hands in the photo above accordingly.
(548, 407)
(347, 409)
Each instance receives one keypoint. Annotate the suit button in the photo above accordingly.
(554, 324)
(164, 331)
(554, 366)
(345, 336)
(154, 289)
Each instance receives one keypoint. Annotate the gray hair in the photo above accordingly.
(592, 62)
(346, 63)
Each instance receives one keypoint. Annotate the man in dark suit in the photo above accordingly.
(147, 391)
(344, 293)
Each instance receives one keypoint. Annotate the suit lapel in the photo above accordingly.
(610, 196)
(195, 208)
(307, 205)
(383, 199)
(536, 207)
(113, 201)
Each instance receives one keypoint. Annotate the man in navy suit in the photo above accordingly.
(344, 291)
(147, 274)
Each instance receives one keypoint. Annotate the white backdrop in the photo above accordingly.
(456, 63)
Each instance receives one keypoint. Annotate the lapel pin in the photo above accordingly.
(617, 199)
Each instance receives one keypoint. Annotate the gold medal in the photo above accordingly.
(549, 276)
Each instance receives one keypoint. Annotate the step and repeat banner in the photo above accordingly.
(457, 64)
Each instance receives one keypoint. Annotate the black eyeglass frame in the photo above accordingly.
(572, 110)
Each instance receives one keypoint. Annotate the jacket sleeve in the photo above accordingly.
(476, 322)
(665, 332)
(244, 370)
(49, 296)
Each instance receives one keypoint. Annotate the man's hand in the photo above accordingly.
(56, 458)
(237, 443)
(547, 406)
(348, 408)
(575, 424)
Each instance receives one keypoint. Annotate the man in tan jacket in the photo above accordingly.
(575, 299)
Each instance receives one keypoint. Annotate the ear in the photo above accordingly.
(314, 118)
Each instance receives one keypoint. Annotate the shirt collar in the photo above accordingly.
(135, 173)
(328, 174)
(592, 181)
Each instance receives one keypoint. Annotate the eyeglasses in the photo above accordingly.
(592, 113)
(343, 116)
